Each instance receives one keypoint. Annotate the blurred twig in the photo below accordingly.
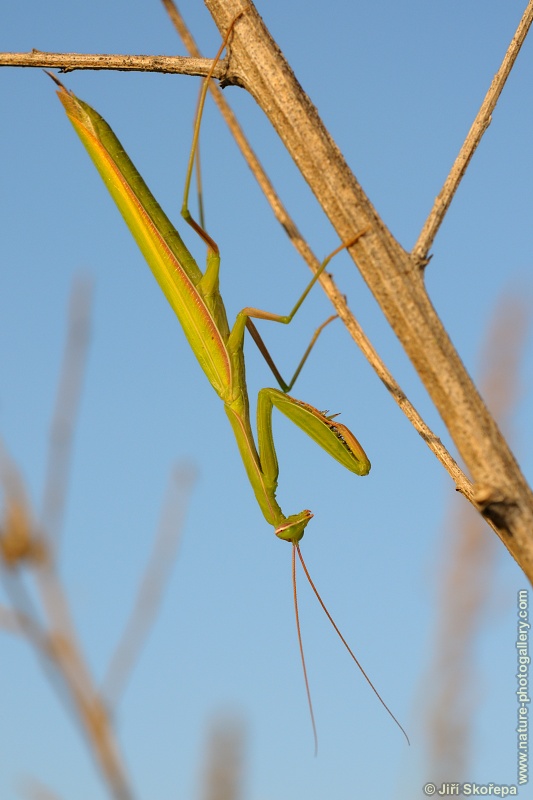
(65, 412)
(468, 570)
(223, 768)
(35, 790)
(474, 136)
(151, 588)
(27, 553)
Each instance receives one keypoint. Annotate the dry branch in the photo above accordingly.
(151, 588)
(65, 413)
(67, 62)
(462, 483)
(28, 552)
(474, 136)
(501, 493)
(467, 568)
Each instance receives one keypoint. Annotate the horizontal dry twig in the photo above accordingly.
(67, 62)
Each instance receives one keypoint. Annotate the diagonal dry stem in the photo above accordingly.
(501, 493)
(151, 588)
(474, 136)
(467, 570)
(65, 411)
(461, 481)
(56, 645)
(43, 615)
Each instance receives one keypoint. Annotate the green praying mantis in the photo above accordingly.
(196, 300)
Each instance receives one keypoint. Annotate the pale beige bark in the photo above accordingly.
(498, 489)
(501, 493)
(66, 62)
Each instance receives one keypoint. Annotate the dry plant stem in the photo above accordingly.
(61, 639)
(15, 621)
(475, 134)
(65, 412)
(66, 655)
(501, 493)
(463, 484)
(56, 645)
(54, 639)
(467, 568)
(223, 767)
(151, 587)
(37, 791)
(196, 65)
(67, 62)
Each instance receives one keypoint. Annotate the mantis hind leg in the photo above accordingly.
(254, 313)
(256, 336)
(185, 212)
(209, 284)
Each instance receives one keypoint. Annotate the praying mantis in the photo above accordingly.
(196, 300)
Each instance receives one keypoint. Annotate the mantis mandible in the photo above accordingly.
(196, 300)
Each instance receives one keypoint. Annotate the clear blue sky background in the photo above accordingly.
(398, 86)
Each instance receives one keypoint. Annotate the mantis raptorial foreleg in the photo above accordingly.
(195, 298)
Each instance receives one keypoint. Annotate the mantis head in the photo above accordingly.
(292, 528)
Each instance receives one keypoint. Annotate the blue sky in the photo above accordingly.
(397, 85)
